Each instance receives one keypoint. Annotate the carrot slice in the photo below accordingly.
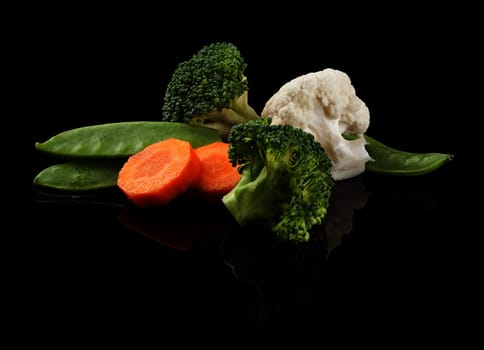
(217, 175)
(159, 173)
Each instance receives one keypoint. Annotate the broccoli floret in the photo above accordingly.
(285, 178)
(210, 89)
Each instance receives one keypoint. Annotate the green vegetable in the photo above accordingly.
(80, 175)
(390, 161)
(122, 139)
(210, 89)
(285, 178)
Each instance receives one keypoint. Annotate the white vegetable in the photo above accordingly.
(325, 104)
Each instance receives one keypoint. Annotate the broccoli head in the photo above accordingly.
(285, 180)
(210, 89)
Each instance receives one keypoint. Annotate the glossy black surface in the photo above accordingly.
(388, 247)
(391, 247)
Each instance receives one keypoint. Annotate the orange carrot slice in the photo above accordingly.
(217, 175)
(159, 173)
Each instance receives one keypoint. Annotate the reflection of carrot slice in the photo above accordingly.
(159, 173)
(162, 225)
(217, 175)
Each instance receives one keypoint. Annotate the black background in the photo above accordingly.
(409, 255)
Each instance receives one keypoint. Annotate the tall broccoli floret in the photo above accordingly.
(285, 178)
(210, 89)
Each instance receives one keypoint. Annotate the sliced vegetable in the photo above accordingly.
(217, 175)
(159, 173)
(80, 175)
(390, 161)
(122, 139)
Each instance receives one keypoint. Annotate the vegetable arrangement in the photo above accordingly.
(276, 169)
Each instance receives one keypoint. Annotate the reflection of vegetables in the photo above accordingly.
(217, 175)
(346, 197)
(159, 173)
(80, 175)
(289, 279)
(121, 140)
(286, 180)
(181, 223)
(210, 89)
(324, 104)
(387, 160)
(163, 226)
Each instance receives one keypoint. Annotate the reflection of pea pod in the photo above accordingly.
(122, 139)
(80, 175)
(387, 160)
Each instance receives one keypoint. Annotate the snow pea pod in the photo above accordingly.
(122, 139)
(80, 175)
(390, 161)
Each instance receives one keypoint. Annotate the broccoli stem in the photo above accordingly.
(260, 195)
(241, 106)
(223, 120)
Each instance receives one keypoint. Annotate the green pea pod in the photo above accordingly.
(80, 175)
(122, 139)
(387, 160)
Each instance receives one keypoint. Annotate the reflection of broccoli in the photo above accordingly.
(286, 284)
(291, 282)
(347, 196)
(210, 89)
(286, 180)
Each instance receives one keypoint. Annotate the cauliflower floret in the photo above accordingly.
(325, 104)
